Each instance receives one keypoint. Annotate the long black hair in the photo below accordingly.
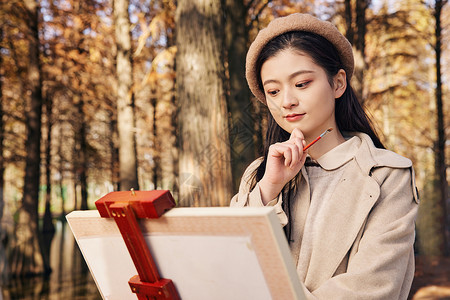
(349, 114)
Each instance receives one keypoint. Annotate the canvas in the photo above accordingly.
(209, 253)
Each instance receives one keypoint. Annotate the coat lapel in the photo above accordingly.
(340, 223)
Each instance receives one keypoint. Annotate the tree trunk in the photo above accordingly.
(114, 149)
(361, 26)
(204, 165)
(82, 152)
(75, 191)
(348, 12)
(48, 228)
(441, 168)
(156, 154)
(27, 251)
(3, 261)
(61, 170)
(241, 109)
(165, 116)
(356, 34)
(125, 98)
(360, 55)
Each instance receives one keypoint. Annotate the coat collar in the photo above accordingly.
(339, 155)
(361, 147)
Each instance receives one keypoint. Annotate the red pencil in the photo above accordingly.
(318, 138)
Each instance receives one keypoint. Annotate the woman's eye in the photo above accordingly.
(302, 84)
(272, 92)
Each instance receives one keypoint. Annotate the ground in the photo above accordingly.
(432, 279)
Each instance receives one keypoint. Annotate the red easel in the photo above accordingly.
(126, 208)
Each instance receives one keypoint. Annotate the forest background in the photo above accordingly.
(98, 96)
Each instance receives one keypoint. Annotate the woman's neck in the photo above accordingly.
(328, 142)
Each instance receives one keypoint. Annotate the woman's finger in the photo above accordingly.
(297, 133)
(287, 153)
(294, 154)
(282, 150)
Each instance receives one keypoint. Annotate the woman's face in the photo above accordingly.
(298, 92)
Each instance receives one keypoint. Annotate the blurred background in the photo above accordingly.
(99, 96)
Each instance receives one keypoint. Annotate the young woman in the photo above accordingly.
(348, 206)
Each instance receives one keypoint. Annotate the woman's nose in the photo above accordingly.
(289, 99)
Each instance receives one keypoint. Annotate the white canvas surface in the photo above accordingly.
(178, 258)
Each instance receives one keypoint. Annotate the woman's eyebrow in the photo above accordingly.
(300, 72)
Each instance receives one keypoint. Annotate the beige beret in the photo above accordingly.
(296, 22)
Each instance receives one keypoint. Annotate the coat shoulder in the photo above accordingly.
(387, 158)
(391, 164)
(368, 156)
(381, 164)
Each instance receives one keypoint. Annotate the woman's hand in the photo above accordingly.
(284, 161)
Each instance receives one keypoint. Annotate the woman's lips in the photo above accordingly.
(294, 117)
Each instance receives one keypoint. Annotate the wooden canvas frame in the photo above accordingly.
(209, 253)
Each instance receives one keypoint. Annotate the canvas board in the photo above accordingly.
(209, 253)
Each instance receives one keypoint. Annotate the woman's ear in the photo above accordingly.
(340, 83)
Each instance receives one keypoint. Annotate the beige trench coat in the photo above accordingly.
(367, 230)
